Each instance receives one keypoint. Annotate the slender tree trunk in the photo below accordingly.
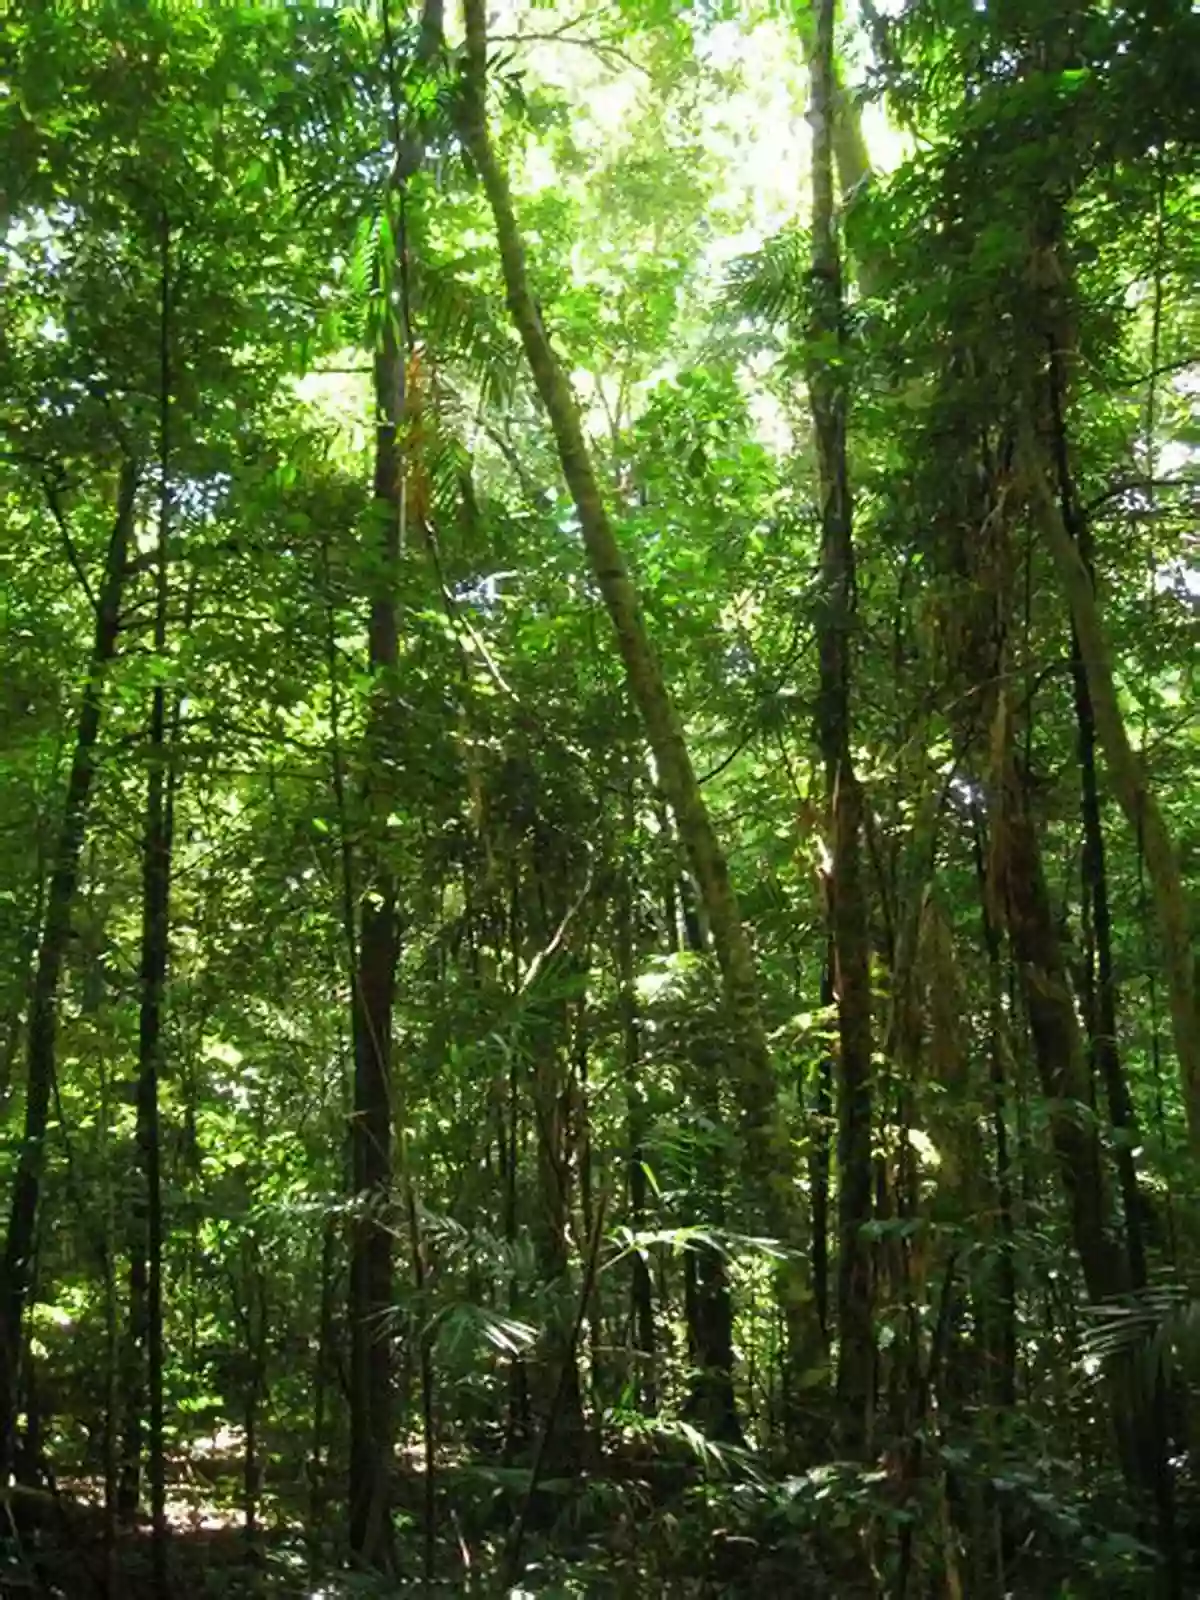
(371, 1258)
(581, 1102)
(322, 1372)
(999, 1301)
(113, 1350)
(23, 974)
(16, 1273)
(850, 154)
(1018, 886)
(371, 1263)
(255, 1320)
(1128, 779)
(767, 1142)
(712, 1395)
(820, 1160)
(712, 1399)
(424, 1341)
(556, 1373)
(1102, 998)
(641, 1288)
(1150, 1419)
(1102, 1009)
(847, 890)
(145, 1333)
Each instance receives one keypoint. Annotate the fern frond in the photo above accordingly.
(771, 285)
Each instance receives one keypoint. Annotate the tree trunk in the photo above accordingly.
(371, 1258)
(850, 154)
(998, 1299)
(1102, 1001)
(820, 1162)
(371, 1264)
(322, 1373)
(17, 1270)
(767, 1142)
(847, 892)
(641, 1287)
(1153, 1429)
(712, 1399)
(555, 1374)
(145, 1332)
(712, 1396)
(23, 972)
(1128, 779)
(1019, 888)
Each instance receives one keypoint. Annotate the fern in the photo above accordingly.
(771, 285)
(1159, 1329)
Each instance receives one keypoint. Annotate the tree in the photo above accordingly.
(847, 899)
(496, 1109)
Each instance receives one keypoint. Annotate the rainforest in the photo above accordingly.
(599, 807)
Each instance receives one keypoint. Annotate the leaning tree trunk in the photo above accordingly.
(767, 1143)
(16, 1274)
(847, 891)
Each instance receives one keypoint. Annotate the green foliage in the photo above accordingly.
(202, 193)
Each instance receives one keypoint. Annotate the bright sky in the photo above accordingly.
(753, 123)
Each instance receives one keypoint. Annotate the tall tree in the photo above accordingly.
(846, 885)
(145, 1382)
(766, 1136)
(21, 1238)
(372, 1435)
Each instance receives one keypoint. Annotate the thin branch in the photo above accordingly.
(56, 510)
(1130, 485)
(507, 449)
(562, 35)
(727, 761)
(536, 967)
(516, 1538)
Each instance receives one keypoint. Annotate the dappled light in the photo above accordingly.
(599, 837)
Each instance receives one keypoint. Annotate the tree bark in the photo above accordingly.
(820, 1160)
(712, 1394)
(1102, 1000)
(847, 892)
(998, 1301)
(851, 157)
(16, 1276)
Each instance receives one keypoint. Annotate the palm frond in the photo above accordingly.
(771, 284)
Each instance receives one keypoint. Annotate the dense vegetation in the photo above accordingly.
(598, 897)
